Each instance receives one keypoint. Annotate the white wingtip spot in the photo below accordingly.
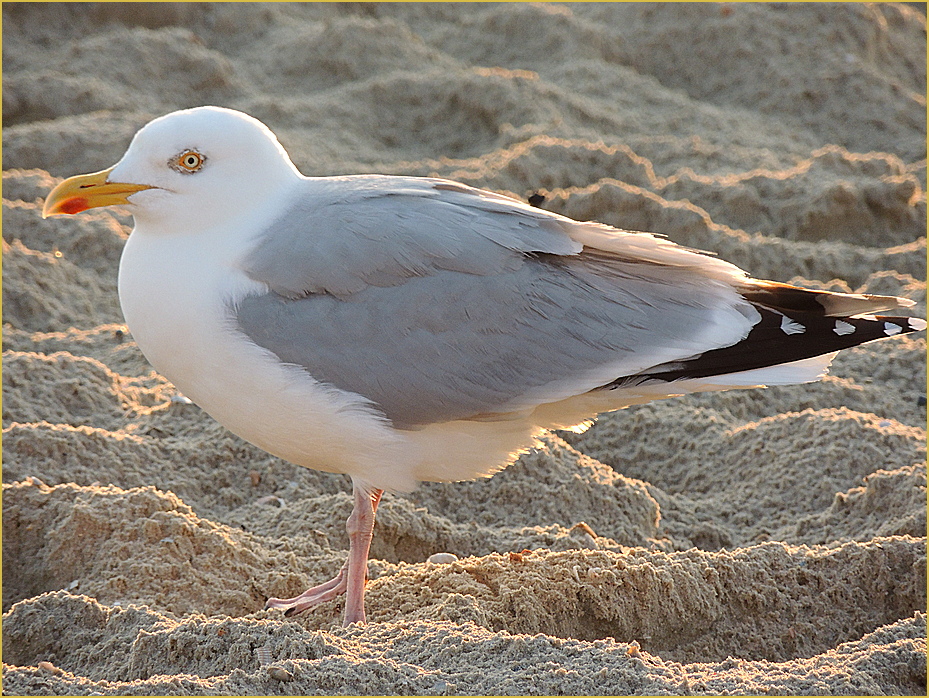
(890, 329)
(789, 326)
(843, 328)
(917, 323)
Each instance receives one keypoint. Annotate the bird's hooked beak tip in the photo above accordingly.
(82, 192)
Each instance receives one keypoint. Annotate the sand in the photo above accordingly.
(765, 541)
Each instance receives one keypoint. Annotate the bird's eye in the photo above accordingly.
(188, 162)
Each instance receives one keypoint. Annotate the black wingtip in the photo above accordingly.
(779, 338)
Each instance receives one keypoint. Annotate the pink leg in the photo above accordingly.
(351, 578)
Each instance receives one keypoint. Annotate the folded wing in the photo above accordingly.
(440, 302)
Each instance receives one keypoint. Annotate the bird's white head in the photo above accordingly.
(188, 170)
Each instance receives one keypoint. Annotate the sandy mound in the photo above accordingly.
(755, 542)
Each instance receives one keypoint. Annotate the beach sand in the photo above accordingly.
(762, 541)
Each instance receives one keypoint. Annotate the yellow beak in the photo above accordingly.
(82, 192)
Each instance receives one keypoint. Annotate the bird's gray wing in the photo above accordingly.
(437, 302)
(349, 233)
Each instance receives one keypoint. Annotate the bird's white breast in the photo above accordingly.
(178, 295)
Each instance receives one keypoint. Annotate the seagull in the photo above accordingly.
(406, 329)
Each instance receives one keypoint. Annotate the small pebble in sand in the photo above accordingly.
(256, 478)
(279, 673)
(442, 558)
(585, 527)
(49, 667)
(271, 499)
(536, 199)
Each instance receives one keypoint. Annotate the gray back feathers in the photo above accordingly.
(439, 302)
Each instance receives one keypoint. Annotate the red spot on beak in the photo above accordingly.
(75, 205)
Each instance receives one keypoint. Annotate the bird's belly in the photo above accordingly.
(181, 316)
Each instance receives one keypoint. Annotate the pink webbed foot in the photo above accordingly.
(354, 573)
(313, 596)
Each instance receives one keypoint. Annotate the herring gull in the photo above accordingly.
(407, 329)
